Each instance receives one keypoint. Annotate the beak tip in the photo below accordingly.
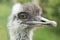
(54, 23)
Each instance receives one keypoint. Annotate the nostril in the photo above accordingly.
(43, 21)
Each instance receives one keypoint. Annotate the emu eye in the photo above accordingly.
(23, 15)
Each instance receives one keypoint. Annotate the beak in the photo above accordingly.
(42, 21)
(46, 21)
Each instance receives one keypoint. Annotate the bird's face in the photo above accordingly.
(30, 14)
(30, 19)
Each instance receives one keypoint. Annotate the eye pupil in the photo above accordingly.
(23, 16)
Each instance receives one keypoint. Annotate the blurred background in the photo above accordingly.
(51, 10)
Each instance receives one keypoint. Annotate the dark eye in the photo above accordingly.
(23, 15)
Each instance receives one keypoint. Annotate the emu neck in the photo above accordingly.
(25, 35)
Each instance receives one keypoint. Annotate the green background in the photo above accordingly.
(51, 10)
